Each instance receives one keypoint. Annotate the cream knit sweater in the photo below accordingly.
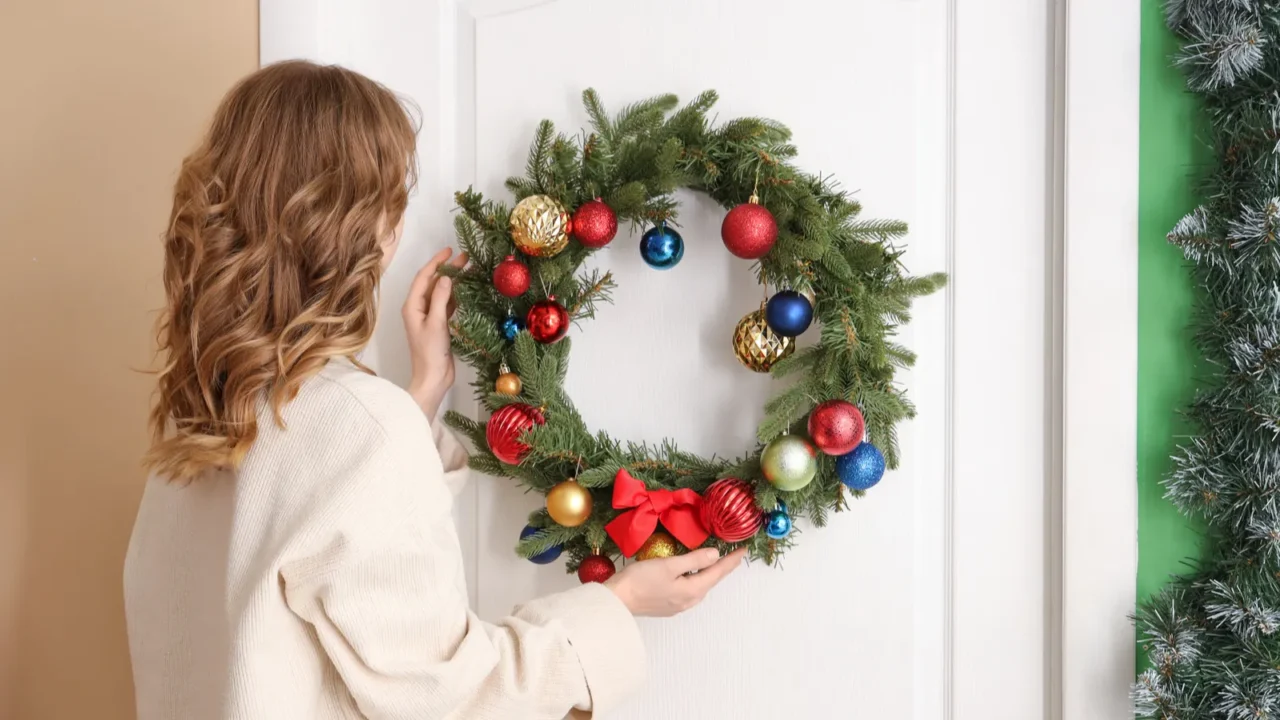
(323, 580)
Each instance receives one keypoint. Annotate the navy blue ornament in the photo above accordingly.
(861, 468)
(788, 313)
(549, 555)
(510, 327)
(661, 247)
(777, 524)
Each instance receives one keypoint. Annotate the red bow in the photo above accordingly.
(677, 509)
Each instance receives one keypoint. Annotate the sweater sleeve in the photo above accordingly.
(387, 600)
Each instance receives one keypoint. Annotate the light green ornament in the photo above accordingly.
(789, 462)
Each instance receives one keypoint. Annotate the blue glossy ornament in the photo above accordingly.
(549, 555)
(661, 247)
(510, 327)
(777, 524)
(788, 313)
(861, 468)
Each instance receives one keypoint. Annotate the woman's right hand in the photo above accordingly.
(663, 587)
(426, 315)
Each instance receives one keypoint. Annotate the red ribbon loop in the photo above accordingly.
(677, 509)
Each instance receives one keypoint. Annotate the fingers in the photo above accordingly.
(693, 561)
(719, 570)
(457, 263)
(415, 306)
(438, 311)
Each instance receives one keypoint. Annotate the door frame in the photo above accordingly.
(1095, 238)
(1091, 242)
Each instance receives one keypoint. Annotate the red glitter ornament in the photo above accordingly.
(729, 510)
(505, 427)
(836, 427)
(511, 277)
(749, 230)
(596, 568)
(547, 320)
(594, 224)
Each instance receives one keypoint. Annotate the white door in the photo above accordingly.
(926, 599)
(851, 625)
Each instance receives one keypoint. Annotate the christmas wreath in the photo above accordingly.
(830, 432)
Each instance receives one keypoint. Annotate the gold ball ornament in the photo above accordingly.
(569, 504)
(540, 226)
(508, 383)
(659, 545)
(756, 345)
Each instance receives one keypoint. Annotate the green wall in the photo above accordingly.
(1172, 156)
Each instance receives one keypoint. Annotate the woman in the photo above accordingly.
(294, 555)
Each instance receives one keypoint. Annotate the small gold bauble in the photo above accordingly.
(569, 504)
(540, 226)
(757, 346)
(508, 383)
(659, 545)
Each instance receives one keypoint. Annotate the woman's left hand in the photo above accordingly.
(426, 321)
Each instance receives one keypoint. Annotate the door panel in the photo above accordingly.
(849, 616)
(926, 599)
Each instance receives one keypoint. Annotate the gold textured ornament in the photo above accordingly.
(569, 504)
(659, 545)
(540, 226)
(757, 346)
(508, 383)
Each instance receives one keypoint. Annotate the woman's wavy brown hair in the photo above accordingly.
(273, 253)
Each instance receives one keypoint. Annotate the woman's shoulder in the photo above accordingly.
(346, 431)
(363, 397)
(345, 408)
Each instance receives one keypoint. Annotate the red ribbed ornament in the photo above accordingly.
(594, 223)
(729, 510)
(596, 568)
(836, 427)
(505, 427)
(749, 230)
(511, 277)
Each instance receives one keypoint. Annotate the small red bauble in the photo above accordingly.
(749, 230)
(596, 568)
(594, 224)
(511, 277)
(836, 427)
(729, 510)
(505, 427)
(547, 321)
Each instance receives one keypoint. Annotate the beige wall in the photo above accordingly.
(99, 101)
